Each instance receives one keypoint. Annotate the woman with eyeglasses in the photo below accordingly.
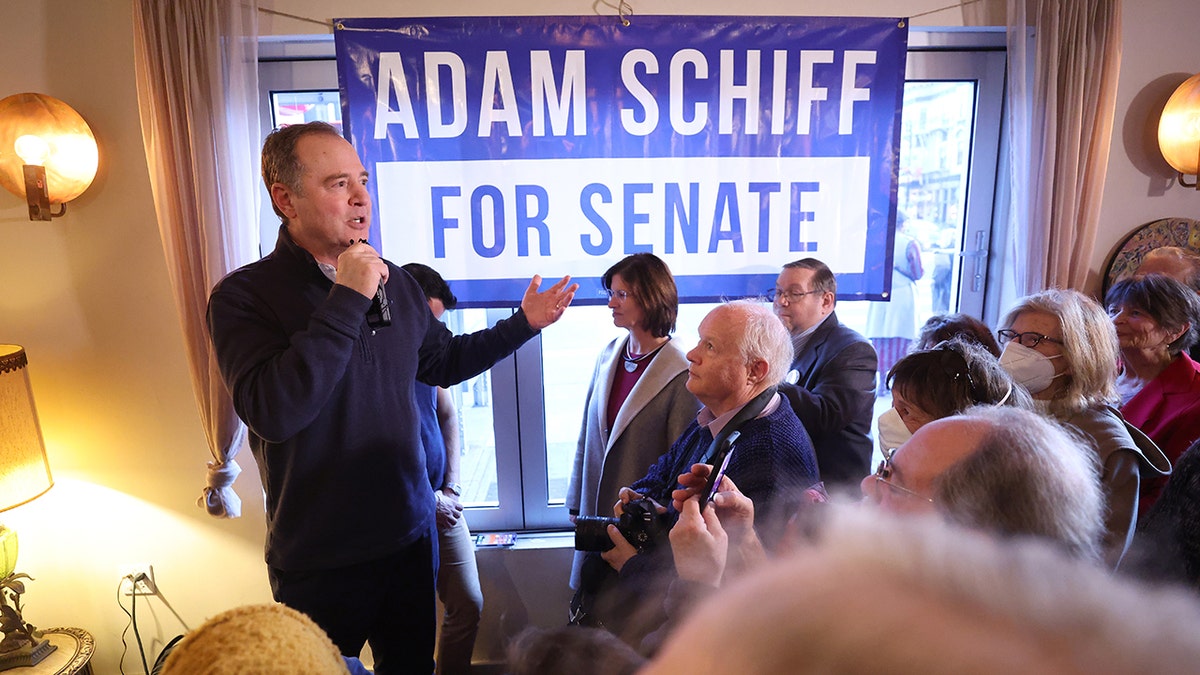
(1156, 318)
(1061, 346)
(950, 377)
(637, 403)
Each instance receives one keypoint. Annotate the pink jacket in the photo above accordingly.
(1167, 410)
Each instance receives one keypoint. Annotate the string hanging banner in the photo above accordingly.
(504, 147)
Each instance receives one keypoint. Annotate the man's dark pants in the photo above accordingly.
(389, 603)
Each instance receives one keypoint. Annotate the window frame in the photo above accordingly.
(978, 55)
(305, 64)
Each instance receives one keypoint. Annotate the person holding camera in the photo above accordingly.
(743, 354)
(637, 403)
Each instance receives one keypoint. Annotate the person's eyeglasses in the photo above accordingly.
(621, 296)
(1027, 339)
(883, 475)
(789, 295)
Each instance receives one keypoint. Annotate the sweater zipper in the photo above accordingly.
(368, 352)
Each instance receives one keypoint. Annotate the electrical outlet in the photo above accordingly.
(138, 579)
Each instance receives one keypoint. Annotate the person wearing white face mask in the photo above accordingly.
(930, 384)
(893, 432)
(1030, 368)
(1061, 346)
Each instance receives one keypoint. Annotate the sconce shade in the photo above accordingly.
(44, 128)
(24, 470)
(1179, 128)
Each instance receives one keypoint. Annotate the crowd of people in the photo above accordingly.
(1064, 441)
(1061, 427)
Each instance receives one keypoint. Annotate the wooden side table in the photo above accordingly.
(73, 656)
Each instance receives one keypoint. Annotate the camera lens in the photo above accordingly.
(591, 533)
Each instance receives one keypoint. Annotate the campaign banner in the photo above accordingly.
(504, 147)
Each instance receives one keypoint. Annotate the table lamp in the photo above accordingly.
(24, 476)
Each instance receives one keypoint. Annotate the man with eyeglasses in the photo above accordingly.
(831, 384)
(1002, 470)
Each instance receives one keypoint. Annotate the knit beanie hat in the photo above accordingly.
(265, 639)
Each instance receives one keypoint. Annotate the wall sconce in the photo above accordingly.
(1179, 131)
(24, 476)
(48, 154)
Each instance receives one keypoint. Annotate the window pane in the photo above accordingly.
(934, 161)
(935, 147)
(569, 356)
(569, 351)
(531, 474)
(473, 400)
(298, 107)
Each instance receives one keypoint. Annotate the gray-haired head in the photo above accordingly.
(1028, 476)
(764, 338)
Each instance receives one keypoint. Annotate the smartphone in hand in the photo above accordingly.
(720, 464)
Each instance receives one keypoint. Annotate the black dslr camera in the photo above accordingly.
(641, 524)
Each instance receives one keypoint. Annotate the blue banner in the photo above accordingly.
(504, 147)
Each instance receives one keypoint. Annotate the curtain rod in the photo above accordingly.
(327, 24)
(964, 3)
(624, 10)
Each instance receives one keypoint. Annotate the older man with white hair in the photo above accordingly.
(743, 354)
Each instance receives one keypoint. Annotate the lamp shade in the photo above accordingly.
(1179, 128)
(40, 129)
(24, 470)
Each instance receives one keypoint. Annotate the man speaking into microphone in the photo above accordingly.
(328, 400)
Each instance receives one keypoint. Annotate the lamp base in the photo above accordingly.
(26, 655)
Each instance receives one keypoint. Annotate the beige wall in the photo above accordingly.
(88, 296)
(1140, 187)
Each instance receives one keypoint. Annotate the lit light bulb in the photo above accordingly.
(75, 158)
(32, 149)
(1179, 128)
(1190, 126)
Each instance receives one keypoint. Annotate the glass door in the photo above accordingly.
(949, 145)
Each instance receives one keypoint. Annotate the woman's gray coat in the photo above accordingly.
(655, 413)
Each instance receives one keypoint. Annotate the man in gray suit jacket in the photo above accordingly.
(832, 382)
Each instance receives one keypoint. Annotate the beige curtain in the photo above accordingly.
(984, 12)
(196, 63)
(1062, 95)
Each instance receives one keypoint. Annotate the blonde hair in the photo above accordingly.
(1089, 347)
(266, 639)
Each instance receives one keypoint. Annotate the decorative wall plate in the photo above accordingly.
(1181, 232)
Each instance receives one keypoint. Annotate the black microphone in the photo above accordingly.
(379, 314)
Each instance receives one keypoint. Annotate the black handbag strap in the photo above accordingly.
(748, 412)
